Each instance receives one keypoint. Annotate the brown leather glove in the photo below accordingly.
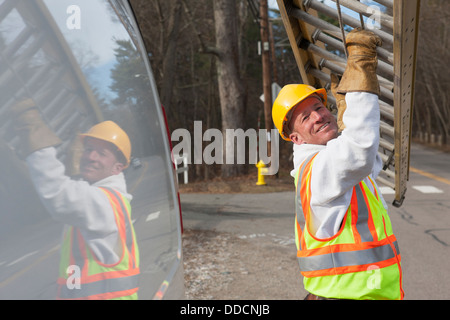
(72, 161)
(360, 72)
(340, 101)
(33, 132)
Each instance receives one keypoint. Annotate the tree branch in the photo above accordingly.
(203, 47)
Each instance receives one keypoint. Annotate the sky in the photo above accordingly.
(96, 30)
(93, 40)
(272, 3)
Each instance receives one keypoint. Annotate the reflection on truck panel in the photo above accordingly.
(79, 77)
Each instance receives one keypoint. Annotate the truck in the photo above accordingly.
(83, 62)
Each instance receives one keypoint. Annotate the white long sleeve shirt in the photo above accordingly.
(342, 163)
(77, 203)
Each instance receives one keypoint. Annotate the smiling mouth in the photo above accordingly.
(323, 127)
(88, 168)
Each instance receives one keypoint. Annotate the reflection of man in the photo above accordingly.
(99, 254)
(346, 249)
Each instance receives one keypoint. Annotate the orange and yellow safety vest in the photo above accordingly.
(361, 261)
(83, 276)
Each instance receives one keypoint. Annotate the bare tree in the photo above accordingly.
(227, 50)
(432, 97)
(169, 62)
(161, 20)
(207, 66)
(231, 87)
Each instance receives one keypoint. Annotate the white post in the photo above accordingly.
(184, 169)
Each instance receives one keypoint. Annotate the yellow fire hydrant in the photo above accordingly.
(261, 171)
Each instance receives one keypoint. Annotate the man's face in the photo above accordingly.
(98, 160)
(312, 123)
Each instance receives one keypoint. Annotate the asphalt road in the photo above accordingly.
(421, 224)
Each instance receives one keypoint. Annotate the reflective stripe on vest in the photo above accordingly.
(347, 258)
(110, 289)
(98, 280)
(364, 242)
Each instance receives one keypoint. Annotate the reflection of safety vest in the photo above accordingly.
(362, 261)
(82, 276)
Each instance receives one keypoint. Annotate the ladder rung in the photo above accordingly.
(383, 67)
(36, 78)
(67, 121)
(387, 110)
(317, 73)
(361, 8)
(386, 144)
(385, 85)
(30, 51)
(390, 173)
(6, 8)
(384, 157)
(386, 3)
(385, 182)
(49, 108)
(23, 36)
(387, 129)
(336, 44)
(50, 82)
(333, 30)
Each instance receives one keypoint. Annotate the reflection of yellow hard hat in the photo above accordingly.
(111, 132)
(289, 96)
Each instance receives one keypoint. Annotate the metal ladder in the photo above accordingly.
(319, 50)
(36, 62)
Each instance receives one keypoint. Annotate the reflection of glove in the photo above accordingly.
(340, 101)
(360, 73)
(72, 162)
(33, 132)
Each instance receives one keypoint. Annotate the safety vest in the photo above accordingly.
(362, 261)
(83, 276)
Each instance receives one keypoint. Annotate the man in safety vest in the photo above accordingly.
(346, 248)
(99, 253)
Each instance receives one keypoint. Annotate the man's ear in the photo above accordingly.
(117, 168)
(296, 139)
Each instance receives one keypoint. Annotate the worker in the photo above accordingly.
(99, 253)
(346, 248)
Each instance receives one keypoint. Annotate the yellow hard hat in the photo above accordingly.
(291, 95)
(111, 132)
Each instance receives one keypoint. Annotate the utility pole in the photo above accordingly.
(265, 53)
(272, 52)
